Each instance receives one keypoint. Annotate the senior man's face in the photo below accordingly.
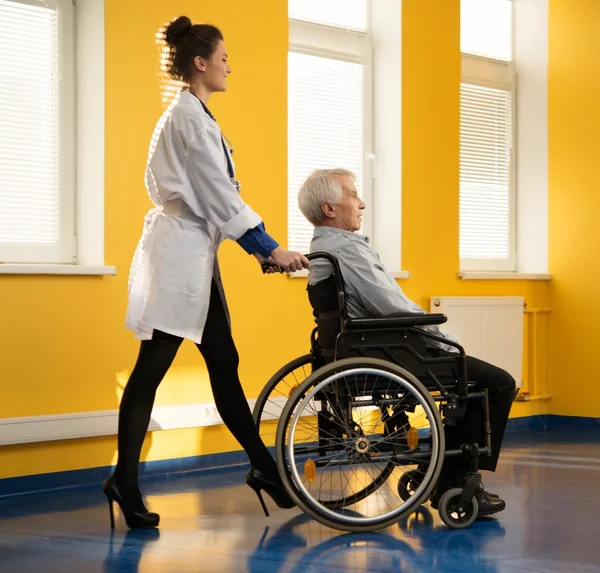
(349, 211)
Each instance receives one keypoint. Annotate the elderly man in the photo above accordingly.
(330, 201)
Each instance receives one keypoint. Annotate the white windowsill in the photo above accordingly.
(401, 274)
(298, 274)
(477, 275)
(29, 269)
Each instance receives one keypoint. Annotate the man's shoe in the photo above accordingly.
(488, 504)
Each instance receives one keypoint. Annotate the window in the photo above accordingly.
(37, 115)
(52, 137)
(487, 135)
(329, 100)
(351, 14)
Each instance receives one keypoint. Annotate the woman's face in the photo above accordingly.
(215, 70)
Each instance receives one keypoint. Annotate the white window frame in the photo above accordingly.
(497, 74)
(328, 41)
(64, 250)
(530, 49)
(386, 37)
(87, 121)
(383, 164)
(530, 61)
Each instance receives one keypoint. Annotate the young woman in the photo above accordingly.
(175, 289)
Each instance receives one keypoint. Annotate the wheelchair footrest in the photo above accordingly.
(472, 483)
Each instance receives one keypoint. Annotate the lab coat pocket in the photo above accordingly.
(186, 263)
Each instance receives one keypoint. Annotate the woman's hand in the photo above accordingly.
(289, 261)
(273, 266)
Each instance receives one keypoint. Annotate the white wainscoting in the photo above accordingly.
(32, 429)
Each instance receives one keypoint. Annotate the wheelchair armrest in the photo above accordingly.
(396, 321)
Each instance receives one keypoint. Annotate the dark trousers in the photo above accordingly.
(501, 393)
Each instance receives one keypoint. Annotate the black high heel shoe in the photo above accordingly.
(258, 482)
(134, 519)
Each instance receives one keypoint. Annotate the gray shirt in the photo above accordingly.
(371, 290)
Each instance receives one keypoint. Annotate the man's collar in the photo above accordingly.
(321, 230)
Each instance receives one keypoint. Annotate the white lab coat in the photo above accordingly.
(196, 207)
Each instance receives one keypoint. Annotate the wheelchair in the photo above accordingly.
(359, 422)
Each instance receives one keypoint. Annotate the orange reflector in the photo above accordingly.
(292, 390)
(310, 470)
(412, 437)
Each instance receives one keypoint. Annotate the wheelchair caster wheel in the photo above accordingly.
(408, 483)
(457, 517)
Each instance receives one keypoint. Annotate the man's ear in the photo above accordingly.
(328, 210)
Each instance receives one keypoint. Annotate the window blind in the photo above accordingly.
(325, 128)
(29, 178)
(485, 171)
(37, 115)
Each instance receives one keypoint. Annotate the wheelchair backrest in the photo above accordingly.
(324, 300)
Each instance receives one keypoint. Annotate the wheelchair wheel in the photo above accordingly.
(454, 516)
(269, 406)
(334, 437)
(276, 392)
(408, 483)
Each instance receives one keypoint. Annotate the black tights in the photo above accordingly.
(155, 358)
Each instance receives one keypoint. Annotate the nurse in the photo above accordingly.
(175, 289)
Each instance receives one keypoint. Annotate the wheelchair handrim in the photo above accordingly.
(408, 505)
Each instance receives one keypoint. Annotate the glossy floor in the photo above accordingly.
(213, 523)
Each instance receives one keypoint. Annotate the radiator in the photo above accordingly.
(489, 328)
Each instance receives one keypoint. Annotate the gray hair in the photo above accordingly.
(322, 185)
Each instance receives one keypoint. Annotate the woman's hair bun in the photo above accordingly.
(177, 29)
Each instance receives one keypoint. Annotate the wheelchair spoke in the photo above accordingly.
(329, 477)
(343, 478)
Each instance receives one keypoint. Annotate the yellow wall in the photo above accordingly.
(64, 345)
(430, 167)
(574, 149)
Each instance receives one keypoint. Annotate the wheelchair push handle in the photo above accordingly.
(266, 266)
(311, 257)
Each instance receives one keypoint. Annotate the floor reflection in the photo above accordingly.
(213, 523)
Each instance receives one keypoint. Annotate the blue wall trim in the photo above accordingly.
(95, 476)
(227, 460)
(546, 422)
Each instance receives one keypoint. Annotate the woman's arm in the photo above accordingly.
(213, 195)
(257, 240)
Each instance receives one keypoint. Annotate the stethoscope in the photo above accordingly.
(228, 143)
(227, 147)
